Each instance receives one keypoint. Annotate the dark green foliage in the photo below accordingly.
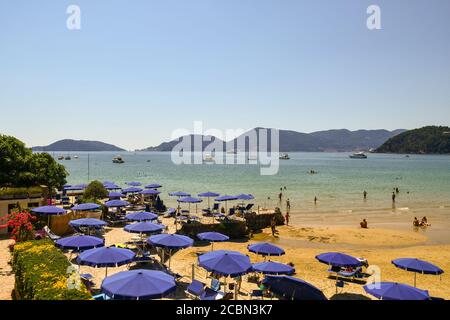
(426, 140)
(95, 191)
(19, 167)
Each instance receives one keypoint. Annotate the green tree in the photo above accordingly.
(95, 191)
(20, 167)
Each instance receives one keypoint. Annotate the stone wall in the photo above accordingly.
(235, 229)
(260, 221)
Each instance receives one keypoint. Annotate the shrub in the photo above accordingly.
(41, 273)
(95, 191)
(21, 224)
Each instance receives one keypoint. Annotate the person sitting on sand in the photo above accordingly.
(363, 224)
(424, 222)
(416, 222)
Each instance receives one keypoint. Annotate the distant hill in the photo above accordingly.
(78, 145)
(291, 141)
(426, 140)
(168, 146)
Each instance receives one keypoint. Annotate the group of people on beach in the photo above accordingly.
(422, 223)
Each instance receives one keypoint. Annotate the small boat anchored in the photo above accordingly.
(358, 155)
(117, 159)
(67, 158)
(284, 156)
(209, 158)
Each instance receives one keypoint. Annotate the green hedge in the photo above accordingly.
(41, 273)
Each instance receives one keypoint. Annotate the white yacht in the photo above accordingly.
(358, 155)
(208, 158)
(284, 156)
(117, 159)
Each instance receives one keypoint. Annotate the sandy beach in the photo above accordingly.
(382, 242)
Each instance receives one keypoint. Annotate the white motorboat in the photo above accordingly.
(358, 155)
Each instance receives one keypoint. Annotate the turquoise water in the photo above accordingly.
(424, 181)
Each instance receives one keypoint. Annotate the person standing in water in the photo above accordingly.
(280, 197)
(365, 194)
(288, 205)
(286, 218)
(315, 200)
(393, 197)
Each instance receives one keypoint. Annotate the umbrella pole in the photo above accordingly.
(170, 257)
(212, 245)
(415, 277)
(106, 272)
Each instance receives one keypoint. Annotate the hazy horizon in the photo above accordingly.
(135, 72)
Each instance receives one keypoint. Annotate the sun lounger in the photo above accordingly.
(209, 294)
(215, 284)
(101, 296)
(215, 208)
(50, 234)
(195, 289)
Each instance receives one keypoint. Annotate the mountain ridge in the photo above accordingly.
(318, 141)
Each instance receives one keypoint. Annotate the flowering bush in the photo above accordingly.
(42, 273)
(21, 224)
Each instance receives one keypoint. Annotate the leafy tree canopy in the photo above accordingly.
(20, 167)
(95, 191)
(426, 140)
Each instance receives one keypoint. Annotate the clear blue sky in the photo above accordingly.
(137, 70)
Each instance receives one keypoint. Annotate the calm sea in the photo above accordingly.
(423, 180)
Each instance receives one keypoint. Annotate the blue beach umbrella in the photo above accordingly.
(275, 268)
(152, 192)
(116, 203)
(134, 183)
(396, 291)
(417, 266)
(213, 237)
(190, 200)
(79, 243)
(338, 259)
(106, 257)
(209, 195)
(245, 196)
(265, 249)
(153, 186)
(144, 227)
(225, 263)
(110, 186)
(138, 284)
(141, 216)
(170, 242)
(179, 194)
(88, 222)
(131, 190)
(115, 195)
(48, 211)
(85, 207)
(293, 288)
(226, 198)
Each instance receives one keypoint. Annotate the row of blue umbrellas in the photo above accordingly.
(388, 290)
